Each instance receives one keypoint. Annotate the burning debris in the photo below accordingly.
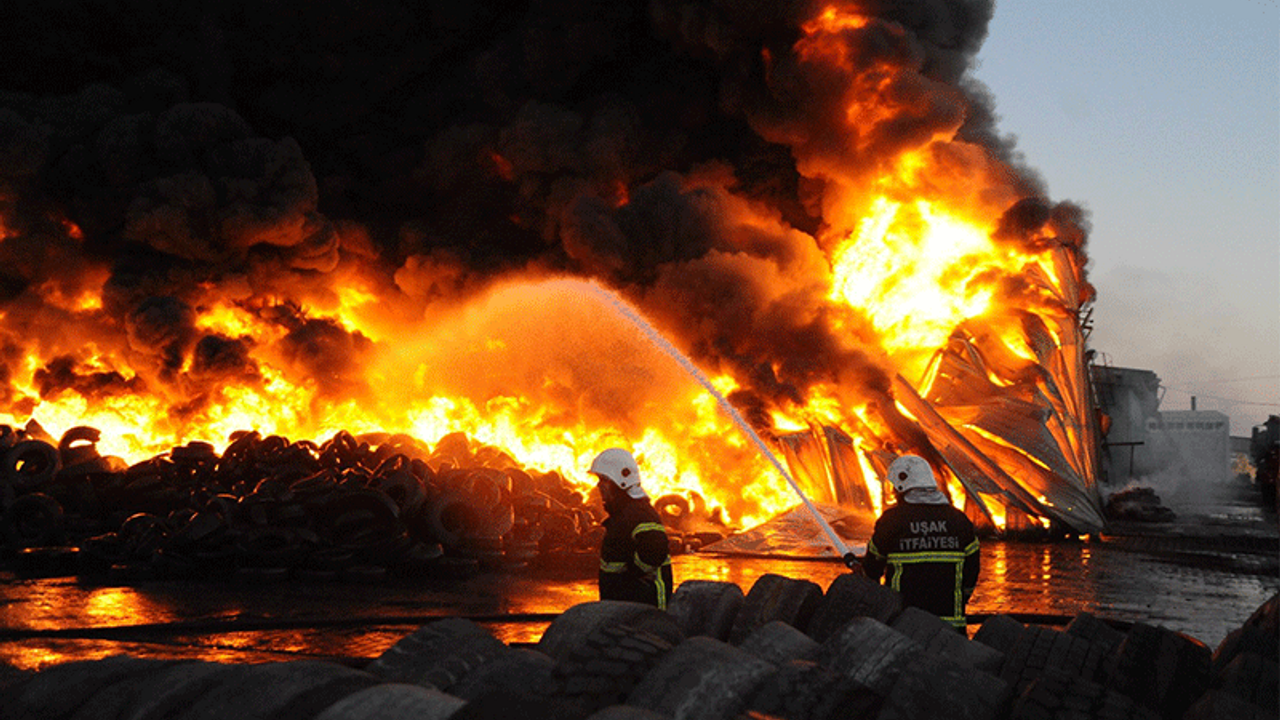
(1138, 503)
(335, 218)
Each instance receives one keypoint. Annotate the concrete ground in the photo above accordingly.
(1202, 573)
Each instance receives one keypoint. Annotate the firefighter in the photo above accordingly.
(927, 547)
(635, 560)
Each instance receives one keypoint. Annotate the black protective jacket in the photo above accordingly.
(635, 560)
(929, 554)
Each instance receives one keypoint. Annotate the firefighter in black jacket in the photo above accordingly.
(927, 546)
(635, 560)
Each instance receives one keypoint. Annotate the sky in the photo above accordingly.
(1162, 119)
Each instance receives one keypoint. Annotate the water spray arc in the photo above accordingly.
(653, 336)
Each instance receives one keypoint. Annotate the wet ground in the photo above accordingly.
(1202, 573)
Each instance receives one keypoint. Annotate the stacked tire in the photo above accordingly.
(776, 651)
(1092, 669)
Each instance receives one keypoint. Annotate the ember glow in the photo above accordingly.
(813, 205)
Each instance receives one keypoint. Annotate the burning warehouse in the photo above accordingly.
(304, 221)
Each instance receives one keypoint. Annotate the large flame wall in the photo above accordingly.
(331, 216)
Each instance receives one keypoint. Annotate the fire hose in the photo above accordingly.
(849, 558)
(846, 555)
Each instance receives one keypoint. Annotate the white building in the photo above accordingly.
(1172, 451)
(1196, 443)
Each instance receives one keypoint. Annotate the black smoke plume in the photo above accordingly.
(257, 151)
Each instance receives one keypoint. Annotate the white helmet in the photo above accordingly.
(909, 472)
(617, 465)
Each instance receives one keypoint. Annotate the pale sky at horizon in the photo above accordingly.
(1162, 119)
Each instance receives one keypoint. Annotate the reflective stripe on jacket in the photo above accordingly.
(635, 559)
(929, 554)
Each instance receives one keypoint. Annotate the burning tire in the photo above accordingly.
(395, 477)
(706, 607)
(775, 597)
(77, 445)
(30, 464)
(605, 668)
(394, 701)
(454, 517)
(438, 654)
(574, 626)
(850, 596)
(779, 643)
(700, 678)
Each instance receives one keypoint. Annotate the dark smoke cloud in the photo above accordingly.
(261, 150)
(61, 374)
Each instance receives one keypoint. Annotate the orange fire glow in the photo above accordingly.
(916, 274)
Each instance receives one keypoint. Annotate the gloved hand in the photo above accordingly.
(851, 561)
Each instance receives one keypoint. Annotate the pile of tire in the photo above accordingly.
(785, 649)
(267, 508)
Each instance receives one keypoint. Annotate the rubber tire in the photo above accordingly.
(700, 679)
(706, 607)
(778, 643)
(1220, 705)
(517, 671)
(438, 654)
(572, 627)
(1159, 668)
(1259, 634)
(1096, 631)
(1058, 695)
(34, 520)
(45, 562)
(59, 691)
(1253, 678)
(605, 668)
(870, 653)
(1041, 648)
(293, 689)
(1000, 632)
(625, 712)
(776, 597)
(39, 460)
(394, 701)
(851, 596)
(931, 687)
(940, 638)
(802, 690)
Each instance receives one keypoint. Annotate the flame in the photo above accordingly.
(915, 270)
